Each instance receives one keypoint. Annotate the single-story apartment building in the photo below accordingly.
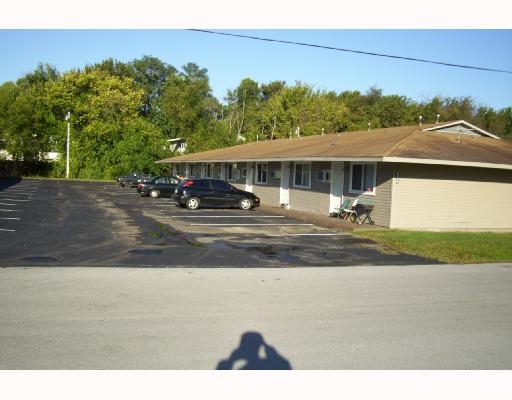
(444, 176)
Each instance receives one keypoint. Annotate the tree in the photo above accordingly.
(28, 125)
(390, 111)
(188, 107)
(459, 108)
(271, 89)
(8, 94)
(108, 134)
(243, 109)
(150, 74)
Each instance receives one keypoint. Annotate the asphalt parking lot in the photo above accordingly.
(66, 223)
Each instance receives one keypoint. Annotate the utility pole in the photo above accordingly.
(68, 117)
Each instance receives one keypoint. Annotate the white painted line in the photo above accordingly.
(16, 218)
(7, 230)
(7, 204)
(225, 216)
(1, 209)
(251, 224)
(308, 234)
(9, 199)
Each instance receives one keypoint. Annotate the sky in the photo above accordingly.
(230, 59)
(71, 39)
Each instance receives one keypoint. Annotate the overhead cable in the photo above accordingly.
(352, 51)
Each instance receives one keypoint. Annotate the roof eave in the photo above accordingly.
(447, 162)
(272, 159)
(351, 159)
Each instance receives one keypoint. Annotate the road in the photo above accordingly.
(369, 317)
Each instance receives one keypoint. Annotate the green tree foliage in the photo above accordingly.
(188, 108)
(25, 118)
(8, 94)
(109, 135)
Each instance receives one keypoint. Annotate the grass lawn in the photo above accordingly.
(449, 247)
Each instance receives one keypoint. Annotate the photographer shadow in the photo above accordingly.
(254, 354)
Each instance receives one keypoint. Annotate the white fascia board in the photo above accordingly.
(462, 122)
(354, 159)
(447, 162)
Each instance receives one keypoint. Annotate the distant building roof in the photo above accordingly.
(453, 143)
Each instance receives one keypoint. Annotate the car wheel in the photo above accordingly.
(245, 204)
(154, 193)
(192, 203)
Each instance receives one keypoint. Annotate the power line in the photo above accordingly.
(352, 51)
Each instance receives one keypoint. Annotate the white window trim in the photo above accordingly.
(374, 183)
(323, 171)
(308, 186)
(256, 178)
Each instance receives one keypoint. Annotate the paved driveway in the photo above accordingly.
(101, 224)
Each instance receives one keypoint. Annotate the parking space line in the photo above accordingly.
(7, 230)
(14, 218)
(7, 204)
(226, 216)
(251, 224)
(3, 210)
(308, 234)
(9, 199)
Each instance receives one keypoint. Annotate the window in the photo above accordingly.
(275, 173)
(244, 173)
(202, 183)
(209, 170)
(302, 176)
(232, 172)
(261, 173)
(362, 178)
(221, 186)
(324, 175)
(195, 170)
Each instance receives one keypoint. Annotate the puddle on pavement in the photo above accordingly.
(281, 253)
(146, 251)
(40, 259)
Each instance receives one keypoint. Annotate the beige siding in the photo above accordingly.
(451, 198)
(381, 200)
(382, 203)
